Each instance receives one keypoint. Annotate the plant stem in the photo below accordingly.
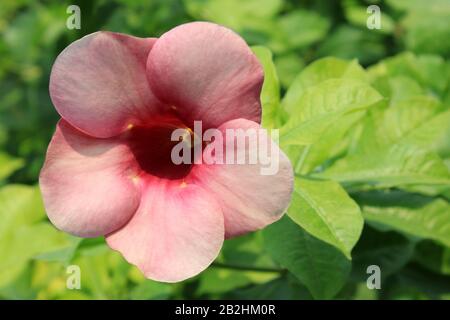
(246, 268)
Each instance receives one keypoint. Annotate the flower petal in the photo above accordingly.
(98, 83)
(207, 72)
(251, 197)
(86, 183)
(175, 234)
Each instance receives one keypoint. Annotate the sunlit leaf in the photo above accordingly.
(321, 105)
(325, 210)
(318, 72)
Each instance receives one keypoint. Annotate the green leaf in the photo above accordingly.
(325, 210)
(415, 121)
(332, 139)
(270, 94)
(8, 165)
(319, 266)
(393, 147)
(429, 190)
(318, 72)
(413, 214)
(64, 254)
(398, 88)
(321, 105)
(333, 143)
(394, 166)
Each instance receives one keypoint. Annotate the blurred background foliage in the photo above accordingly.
(407, 57)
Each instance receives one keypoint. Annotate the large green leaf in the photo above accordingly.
(321, 105)
(333, 142)
(319, 266)
(413, 214)
(393, 146)
(398, 88)
(394, 166)
(414, 121)
(318, 72)
(325, 210)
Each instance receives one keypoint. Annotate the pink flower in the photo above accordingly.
(108, 169)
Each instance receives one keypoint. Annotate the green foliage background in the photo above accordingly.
(364, 116)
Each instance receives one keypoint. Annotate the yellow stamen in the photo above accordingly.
(135, 179)
(183, 184)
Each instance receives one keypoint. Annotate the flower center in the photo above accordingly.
(152, 147)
